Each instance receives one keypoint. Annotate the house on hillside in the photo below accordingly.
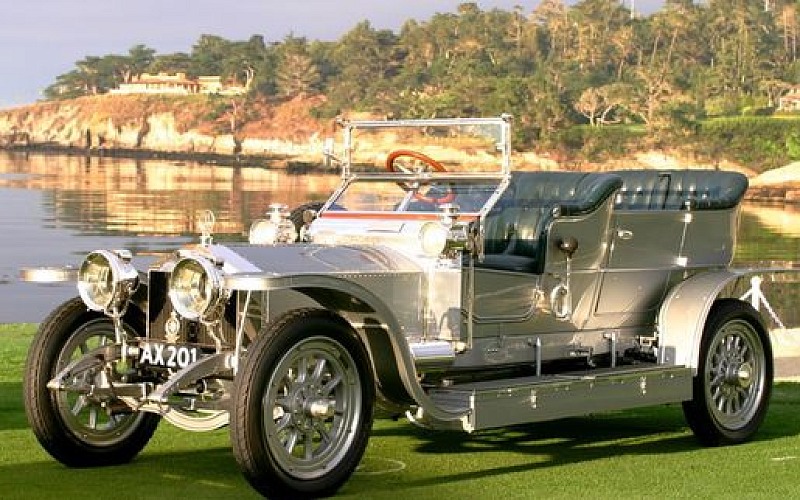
(161, 83)
(790, 101)
(177, 84)
(215, 85)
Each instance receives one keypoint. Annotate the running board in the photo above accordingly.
(500, 403)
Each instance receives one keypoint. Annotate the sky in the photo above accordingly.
(41, 39)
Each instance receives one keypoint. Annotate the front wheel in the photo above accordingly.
(734, 379)
(80, 429)
(302, 409)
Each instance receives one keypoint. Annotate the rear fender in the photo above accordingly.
(683, 314)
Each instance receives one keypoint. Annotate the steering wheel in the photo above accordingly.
(447, 194)
(427, 160)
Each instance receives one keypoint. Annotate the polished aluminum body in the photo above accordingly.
(475, 308)
(483, 297)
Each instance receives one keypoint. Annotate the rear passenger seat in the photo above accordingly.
(679, 189)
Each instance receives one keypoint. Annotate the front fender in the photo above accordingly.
(403, 358)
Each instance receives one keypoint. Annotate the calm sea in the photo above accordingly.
(55, 209)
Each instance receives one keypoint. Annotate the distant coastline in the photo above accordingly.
(205, 158)
(282, 135)
(194, 127)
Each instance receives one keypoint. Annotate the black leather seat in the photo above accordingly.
(515, 230)
(679, 189)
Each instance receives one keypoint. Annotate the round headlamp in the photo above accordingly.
(433, 239)
(277, 228)
(106, 280)
(195, 289)
(263, 232)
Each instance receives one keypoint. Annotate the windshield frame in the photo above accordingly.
(503, 144)
(499, 178)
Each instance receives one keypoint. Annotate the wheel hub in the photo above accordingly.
(320, 408)
(308, 404)
(744, 375)
(739, 374)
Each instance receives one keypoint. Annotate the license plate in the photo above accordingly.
(168, 355)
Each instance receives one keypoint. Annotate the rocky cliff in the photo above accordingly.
(192, 124)
(285, 132)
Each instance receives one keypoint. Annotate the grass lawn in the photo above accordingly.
(632, 454)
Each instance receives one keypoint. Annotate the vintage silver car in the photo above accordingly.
(442, 286)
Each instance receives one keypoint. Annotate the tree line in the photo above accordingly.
(590, 64)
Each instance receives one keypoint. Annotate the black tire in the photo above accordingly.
(296, 215)
(733, 385)
(297, 430)
(78, 430)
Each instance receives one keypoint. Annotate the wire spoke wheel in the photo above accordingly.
(735, 374)
(315, 399)
(92, 418)
(78, 425)
(302, 408)
(734, 378)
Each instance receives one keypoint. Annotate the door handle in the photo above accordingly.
(624, 234)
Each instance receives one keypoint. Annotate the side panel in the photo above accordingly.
(653, 250)
(511, 303)
(711, 237)
(504, 296)
(644, 250)
(513, 317)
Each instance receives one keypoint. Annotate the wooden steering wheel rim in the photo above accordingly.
(413, 154)
(448, 197)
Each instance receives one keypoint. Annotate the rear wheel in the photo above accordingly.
(302, 406)
(734, 378)
(77, 429)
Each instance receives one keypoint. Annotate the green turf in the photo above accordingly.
(633, 454)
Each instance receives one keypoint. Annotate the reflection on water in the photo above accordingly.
(768, 234)
(107, 196)
(782, 219)
(55, 209)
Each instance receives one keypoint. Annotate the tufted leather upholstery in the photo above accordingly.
(515, 229)
(679, 189)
